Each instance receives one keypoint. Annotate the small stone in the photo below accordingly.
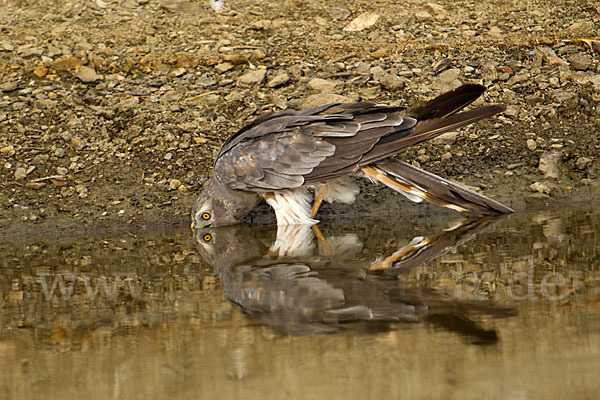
(515, 79)
(377, 72)
(253, 77)
(20, 174)
(446, 156)
(512, 111)
(362, 22)
(339, 13)
(556, 61)
(436, 9)
(531, 144)
(489, 73)
(561, 96)
(207, 79)
(174, 184)
(582, 27)
(40, 71)
(496, 32)
(323, 85)
(446, 138)
(392, 82)
(87, 74)
(320, 99)
(30, 52)
(81, 191)
(380, 52)
(62, 170)
(539, 188)
(258, 54)
(550, 164)
(6, 46)
(8, 150)
(580, 62)
(129, 103)
(223, 67)
(583, 163)
(449, 75)
(168, 156)
(9, 86)
(423, 16)
(278, 80)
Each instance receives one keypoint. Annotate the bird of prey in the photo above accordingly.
(282, 157)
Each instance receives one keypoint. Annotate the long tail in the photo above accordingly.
(434, 118)
(418, 185)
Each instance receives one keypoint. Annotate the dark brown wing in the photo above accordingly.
(286, 150)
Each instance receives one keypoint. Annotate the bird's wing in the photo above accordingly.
(289, 149)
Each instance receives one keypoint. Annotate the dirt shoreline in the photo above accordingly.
(111, 116)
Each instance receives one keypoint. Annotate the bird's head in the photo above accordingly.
(218, 205)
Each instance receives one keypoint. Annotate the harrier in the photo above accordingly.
(283, 157)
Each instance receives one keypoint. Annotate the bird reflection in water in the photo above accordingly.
(303, 283)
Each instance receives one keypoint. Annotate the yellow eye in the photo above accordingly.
(205, 216)
(207, 238)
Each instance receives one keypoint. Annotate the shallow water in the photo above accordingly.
(497, 309)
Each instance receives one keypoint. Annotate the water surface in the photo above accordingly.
(462, 309)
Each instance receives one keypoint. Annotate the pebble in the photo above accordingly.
(550, 164)
(87, 74)
(377, 72)
(174, 184)
(561, 96)
(495, 32)
(423, 16)
(540, 188)
(556, 61)
(20, 173)
(207, 79)
(323, 85)
(580, 27)
(82, 191)
(531, 144)
(278, 80)
(449, 75)
(446, 138)
(253, 77)
(223, 67)
(8, 150)
(392, 82)
(129, 103)
(436, 9)
(62, 170)
(320, 99)
(580, 62)
(30, 52)
(338, 13)
(9, 86)
(583, 163)
(362, 22)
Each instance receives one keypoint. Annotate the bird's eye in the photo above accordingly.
(205, 216)
(207, 238)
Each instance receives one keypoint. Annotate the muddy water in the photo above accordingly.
(495, 309)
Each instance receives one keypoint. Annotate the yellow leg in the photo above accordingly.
(320, 194)
(322, 241)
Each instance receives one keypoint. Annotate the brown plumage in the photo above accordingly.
(278, 156)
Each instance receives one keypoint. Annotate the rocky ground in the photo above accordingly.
(111, 113)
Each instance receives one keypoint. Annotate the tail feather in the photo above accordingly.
(427, 129)
(447, 103)
(413, 182)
